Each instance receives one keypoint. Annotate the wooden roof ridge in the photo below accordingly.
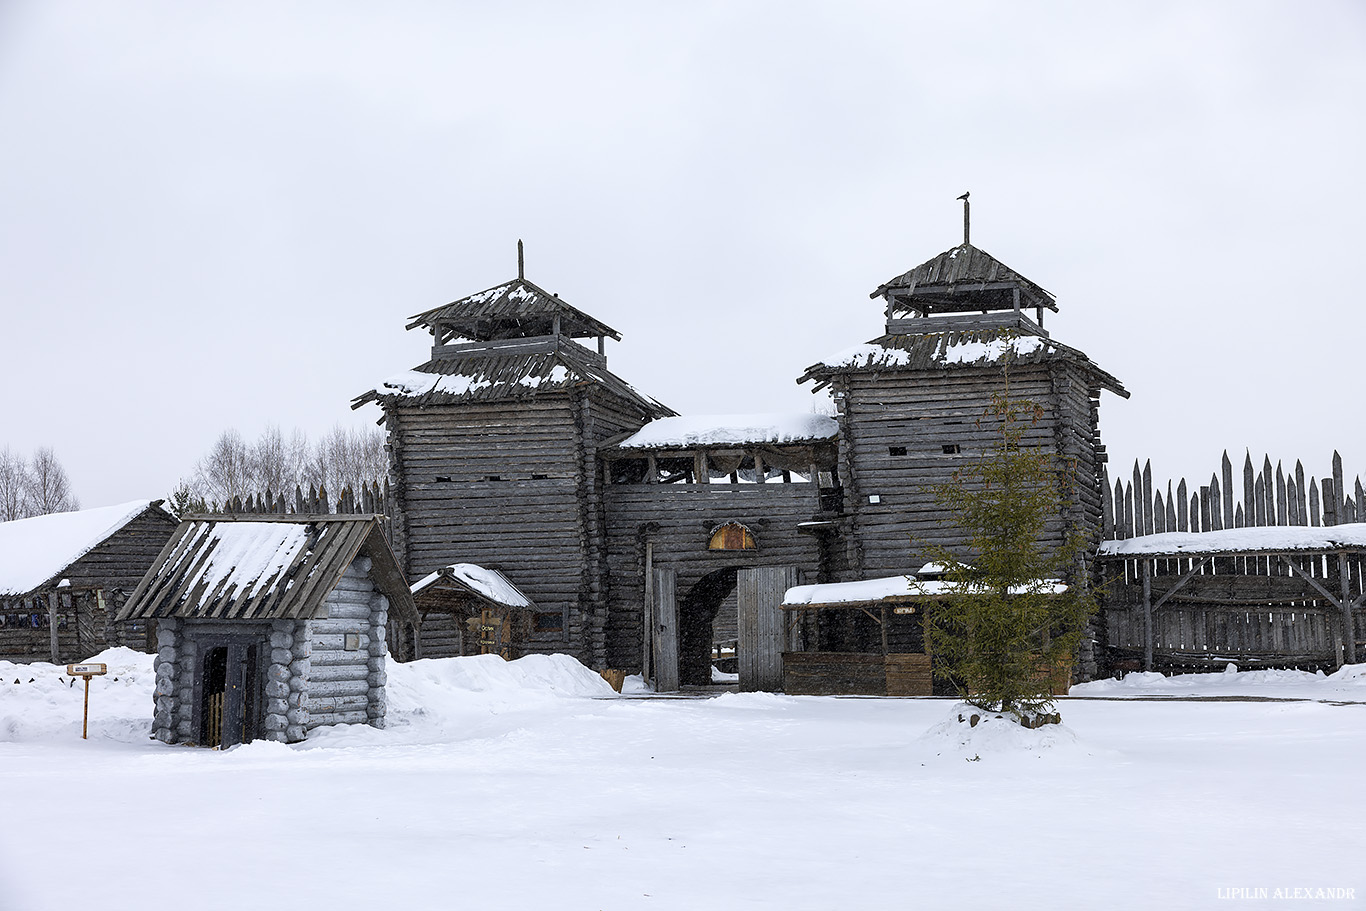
(502, 300)
(923, 351)
(446, 579)
(296, 587)
(496, 376)
(963, 267)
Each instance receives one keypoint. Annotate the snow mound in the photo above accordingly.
(1348, 682)
(40, 702)
(533, 675)
(994, 736)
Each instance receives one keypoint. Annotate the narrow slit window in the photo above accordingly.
(952, 448)
(896, 450)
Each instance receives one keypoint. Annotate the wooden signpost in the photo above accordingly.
(86, 671)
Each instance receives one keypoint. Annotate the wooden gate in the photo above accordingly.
(763, 630)
(661, 630)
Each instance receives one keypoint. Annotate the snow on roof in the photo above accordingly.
(948, 352)
(1256, 539)
(732, 430)
(891, 588)
(488, 583)
(244, 557)
(34, 550)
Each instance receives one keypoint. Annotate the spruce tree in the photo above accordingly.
(1005, 630)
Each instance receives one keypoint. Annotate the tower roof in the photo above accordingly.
(962, 279)
(515, 309)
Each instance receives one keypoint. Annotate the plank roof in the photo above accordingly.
(515, 309)
(498, 375)
(481, 583)
(35, 552)
(263, 568)
(954, 349)
(961, 279)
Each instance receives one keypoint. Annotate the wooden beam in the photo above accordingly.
(1147, 615)
(1349, 630)
(1147, 586)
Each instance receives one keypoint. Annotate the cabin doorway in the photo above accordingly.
(229, 703)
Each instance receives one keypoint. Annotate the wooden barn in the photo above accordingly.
(657, 544)
(271, 627)
(64, 576)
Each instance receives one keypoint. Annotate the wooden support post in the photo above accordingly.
(1147, 615)
(883, 623)
(647, 625)
(52, 625)
(1349, 637)
(700, 473)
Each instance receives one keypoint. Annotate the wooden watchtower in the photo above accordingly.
(493, 453)
(911, 404)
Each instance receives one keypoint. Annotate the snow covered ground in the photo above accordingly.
(531, 785)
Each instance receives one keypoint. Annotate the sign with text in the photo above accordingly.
(87, 670)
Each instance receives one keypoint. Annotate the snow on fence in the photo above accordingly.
(1261, 597)
(1268, 498)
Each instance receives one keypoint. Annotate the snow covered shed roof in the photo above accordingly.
(470, 579)
(263, 568)
(35, 552)
(887, 590)
(961, 279)
(515, 309)
(944, 350)
(500, 374)
(690, 431)
(1271, 539)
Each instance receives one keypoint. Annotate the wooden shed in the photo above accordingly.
(64, 576)
(470, 610)
(270, 627)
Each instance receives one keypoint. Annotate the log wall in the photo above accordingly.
(677, 520)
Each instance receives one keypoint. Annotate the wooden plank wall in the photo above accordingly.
(497, 486)
(762, 625)
(922, 413)
(1257, 496)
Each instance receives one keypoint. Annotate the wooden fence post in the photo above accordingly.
(1147, 615)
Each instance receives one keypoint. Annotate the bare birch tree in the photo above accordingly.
(49, 488)
(276, 463)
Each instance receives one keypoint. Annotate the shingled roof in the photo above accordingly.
(961, 279)
(263, 568)
(954, 349)
(515, 309)
(500, 374)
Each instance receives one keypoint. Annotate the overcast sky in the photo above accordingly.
(219, 214)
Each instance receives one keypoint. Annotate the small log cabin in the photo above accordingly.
(64, 576)
(471, 610)
(270, 627)
(660, 538)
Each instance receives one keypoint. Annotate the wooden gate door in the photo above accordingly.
(763, 630)
(229, 695)
(662, 630)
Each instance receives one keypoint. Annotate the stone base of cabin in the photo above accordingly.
(856, 674)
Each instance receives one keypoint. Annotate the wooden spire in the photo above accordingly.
(521, 261)
(966, 219)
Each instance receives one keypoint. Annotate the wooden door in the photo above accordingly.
(662, 630)
(229, 699)
(763, 629)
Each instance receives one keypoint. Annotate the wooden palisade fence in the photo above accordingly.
(374, 499)
(1268, 498)
(1260, 600)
